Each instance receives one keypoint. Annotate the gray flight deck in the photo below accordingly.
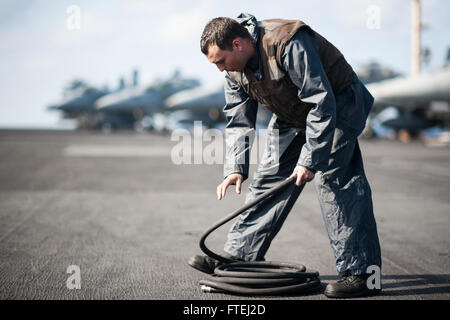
(120, 209)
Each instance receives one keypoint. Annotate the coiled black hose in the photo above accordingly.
(257, 277)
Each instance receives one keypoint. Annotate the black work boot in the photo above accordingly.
(350, 287)
(207, 264)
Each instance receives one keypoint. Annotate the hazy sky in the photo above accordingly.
(42, 50)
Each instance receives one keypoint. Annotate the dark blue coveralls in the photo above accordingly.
(328, 146)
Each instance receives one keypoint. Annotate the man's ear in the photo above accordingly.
(237, 43)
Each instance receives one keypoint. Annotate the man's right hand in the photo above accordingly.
(234, 178)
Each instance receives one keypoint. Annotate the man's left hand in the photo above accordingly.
(303, 175)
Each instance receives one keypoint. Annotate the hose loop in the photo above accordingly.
(257, 277)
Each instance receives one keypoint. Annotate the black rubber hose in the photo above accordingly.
(257, 277)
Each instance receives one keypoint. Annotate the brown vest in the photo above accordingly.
(275, 90)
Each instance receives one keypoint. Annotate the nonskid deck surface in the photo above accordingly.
(117, 208)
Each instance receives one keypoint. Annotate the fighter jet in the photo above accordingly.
(206, 105)
(413, 92)
(198, 104)
(422, 100)
(78, 103)
(127, 108)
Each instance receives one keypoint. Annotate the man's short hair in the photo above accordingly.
(221, 32)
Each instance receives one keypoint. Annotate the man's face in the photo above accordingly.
(229, 60)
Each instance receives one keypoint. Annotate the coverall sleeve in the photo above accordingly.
(302, 62)
(240, 111)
